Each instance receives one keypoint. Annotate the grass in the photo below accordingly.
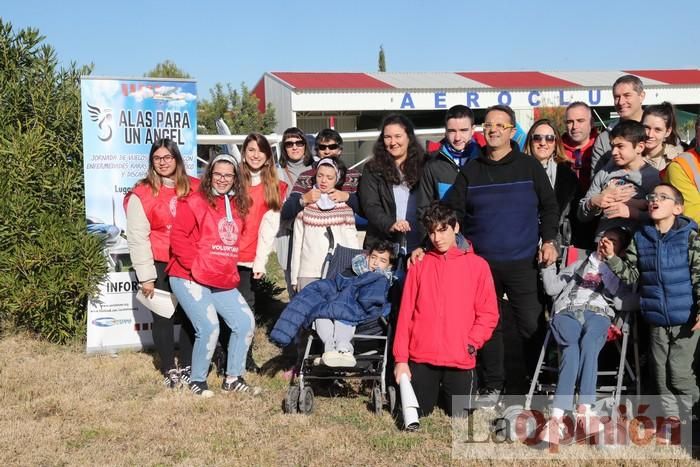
(63, 407)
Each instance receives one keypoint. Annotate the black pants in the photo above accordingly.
(163, 329)
(430, 382)
(520, 281)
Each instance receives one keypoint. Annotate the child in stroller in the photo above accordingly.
(336, 305)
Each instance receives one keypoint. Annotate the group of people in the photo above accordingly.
(486, 226)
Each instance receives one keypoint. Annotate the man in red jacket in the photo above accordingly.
(448, 310)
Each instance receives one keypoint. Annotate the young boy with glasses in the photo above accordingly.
(664, 257)
(616, 195)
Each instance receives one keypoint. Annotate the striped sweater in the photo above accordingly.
(311, 240)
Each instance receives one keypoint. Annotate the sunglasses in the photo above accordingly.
(549, 138)
(332, 147)
(298, 143)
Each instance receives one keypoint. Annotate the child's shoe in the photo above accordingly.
(331, 358)
(552, 432)
(347, 358)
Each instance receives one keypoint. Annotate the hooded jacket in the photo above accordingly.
(204, 243)
(448, 304)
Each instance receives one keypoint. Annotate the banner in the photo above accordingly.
(122, 119)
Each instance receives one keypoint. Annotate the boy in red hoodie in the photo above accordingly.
(448, 311)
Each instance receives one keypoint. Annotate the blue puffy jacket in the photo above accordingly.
(665, 287)
(351, 300)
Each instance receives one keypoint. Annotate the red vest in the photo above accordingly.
(217, 243)
(249, 237)
(160, 212)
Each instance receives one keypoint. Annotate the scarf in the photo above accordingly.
(551, 168)
(360, 266)
(458, 157)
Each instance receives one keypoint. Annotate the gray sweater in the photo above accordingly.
(644, 181)
(560, 286)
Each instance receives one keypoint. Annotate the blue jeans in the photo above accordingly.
(202, 304)
(581, 336)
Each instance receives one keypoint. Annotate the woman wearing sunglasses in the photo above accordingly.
(544, 144)
(295, 158)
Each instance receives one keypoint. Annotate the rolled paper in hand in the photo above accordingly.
(409, 404)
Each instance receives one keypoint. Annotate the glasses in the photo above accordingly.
(159, 159)
(332, 147)
(227, 177)
(661, 197)
(548, 138)
(298, 143)
(496, 126)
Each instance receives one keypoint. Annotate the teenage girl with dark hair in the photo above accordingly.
(150, 210)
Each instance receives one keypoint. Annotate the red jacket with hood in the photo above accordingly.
(448, 303)
(204, 244)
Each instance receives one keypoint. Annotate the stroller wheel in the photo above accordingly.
(377, 400)
(391, 392)
(306, 400)
(291, 400)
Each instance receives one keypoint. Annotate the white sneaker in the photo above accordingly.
(552, 434)
(336, 359)
(347, 358)
(331, 358)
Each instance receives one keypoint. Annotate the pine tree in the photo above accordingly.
(382, 59)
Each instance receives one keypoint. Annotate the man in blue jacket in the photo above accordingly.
(510, 215)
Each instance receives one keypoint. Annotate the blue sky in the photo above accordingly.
(238, 41)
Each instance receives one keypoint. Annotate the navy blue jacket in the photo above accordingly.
(665, 286)
(352, 300)
(505, 206)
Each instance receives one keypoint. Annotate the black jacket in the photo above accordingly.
(376, 197)
(439, 174)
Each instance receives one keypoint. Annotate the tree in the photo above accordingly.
(557, 115)
(167, 69)
(239, 111)
(382, 59)
(49, 264)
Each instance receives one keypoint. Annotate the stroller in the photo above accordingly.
(371, 344)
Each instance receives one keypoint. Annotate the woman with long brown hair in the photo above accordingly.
(389, 183)
(150, 210)
(204, 276)
(265, 194)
